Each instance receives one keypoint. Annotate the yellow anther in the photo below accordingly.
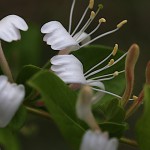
(91, 4)
(92, 14)
(115, 50)
(100, 6)
(116, 73)
(135, 97)
(122, 23)
(111, 62)
(102, 20)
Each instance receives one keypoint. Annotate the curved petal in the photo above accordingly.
(9, 28)
(11, 97)
(93, 140)
(96, 84)
(98, 95)
(83, 38)
(16, 21)
(68, 68)
(112, 144)
(58, 37)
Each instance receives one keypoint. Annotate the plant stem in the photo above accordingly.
(38, 112)
(129, 142)
(4, 65)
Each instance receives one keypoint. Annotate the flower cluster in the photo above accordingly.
(11, 94)
(70, 69)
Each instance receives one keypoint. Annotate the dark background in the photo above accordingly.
(137, 12)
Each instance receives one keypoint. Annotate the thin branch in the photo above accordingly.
(38, 112)
(129, 142)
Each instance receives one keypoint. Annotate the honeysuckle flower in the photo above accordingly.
(9, 31)
(71, 71)
(11, 97)
(10, 26)
(95, 140)
(61, 39)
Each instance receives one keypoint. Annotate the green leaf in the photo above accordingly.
(60, 102)
(25, 74)
(8, 139)
(114, 129)
(92, 55)
(111, 111)
(143, 125)
(26, 51)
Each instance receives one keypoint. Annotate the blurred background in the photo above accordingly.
(36, 52)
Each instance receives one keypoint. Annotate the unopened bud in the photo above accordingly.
(131, 59)
(148, 73)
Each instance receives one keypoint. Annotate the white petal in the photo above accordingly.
(9, 28)
(17, 21)
(11, 97)
(94, 141)
(96, 84)
(58, 37)
(98, 95)
(3, 81)
(112, 144)
(68, 68)
(83, 38)
(86, 140)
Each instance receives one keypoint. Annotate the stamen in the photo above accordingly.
(100, 36)
(100, 63)
(111, 62)
(121, 24)
(85, 12)
(116, 73)
(115, 49)
(107, 92)
(71, 13)
(105, 79)
(106, 67)
(91, 4)
(107, 33)
(92, 16)
(135, 97)
(102, 20)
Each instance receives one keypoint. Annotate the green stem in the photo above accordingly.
(129, 142)
(4, 65)
(38, 112)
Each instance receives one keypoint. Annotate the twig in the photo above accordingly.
(38, 112)
(129, 142)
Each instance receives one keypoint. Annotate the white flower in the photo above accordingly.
(95, 140)
(10, 26)
(70, 70)
(61, 39)
(11, 97)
